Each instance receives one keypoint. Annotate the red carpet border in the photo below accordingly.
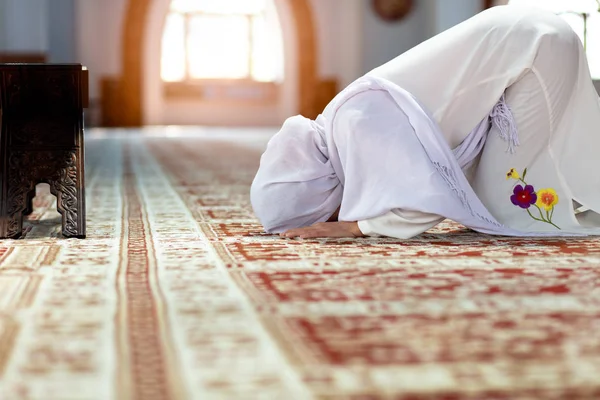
(177, 294)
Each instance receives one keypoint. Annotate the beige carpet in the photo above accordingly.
(176, 294)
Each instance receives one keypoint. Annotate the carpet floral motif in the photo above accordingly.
(178, 294)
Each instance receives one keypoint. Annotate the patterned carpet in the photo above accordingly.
(176, 294)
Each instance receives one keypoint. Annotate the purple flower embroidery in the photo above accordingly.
(524, 197)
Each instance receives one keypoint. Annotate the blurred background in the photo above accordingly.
(235, 62)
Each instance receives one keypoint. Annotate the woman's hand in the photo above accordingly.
(325, 230)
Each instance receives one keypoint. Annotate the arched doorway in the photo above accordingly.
(124, 99)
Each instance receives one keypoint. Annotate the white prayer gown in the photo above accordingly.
(528, 57)
(538, 61)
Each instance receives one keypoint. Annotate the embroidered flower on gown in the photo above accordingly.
(547, 199)
(525, 197)
(512, 174)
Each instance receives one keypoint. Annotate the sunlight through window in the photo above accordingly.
(572, 12)
(222, 39)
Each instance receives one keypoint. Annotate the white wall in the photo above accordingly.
(450, 13)
(98, 27)
(39, 26)
(24, 25)
(383, 41)
(339, 28)
(3, 30)
(61, 31)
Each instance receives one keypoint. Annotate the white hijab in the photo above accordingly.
(296, 185)
(309, 168)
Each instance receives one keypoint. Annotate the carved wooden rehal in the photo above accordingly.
(41, 141)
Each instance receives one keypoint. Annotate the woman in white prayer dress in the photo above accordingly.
(494, 123)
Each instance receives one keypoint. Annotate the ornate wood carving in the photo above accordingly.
(42, 141)
(57, 168)
(66, 186)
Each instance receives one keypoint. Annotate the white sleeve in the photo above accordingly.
(401, 224)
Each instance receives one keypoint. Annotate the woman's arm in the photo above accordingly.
(336, 229)
(400, 224)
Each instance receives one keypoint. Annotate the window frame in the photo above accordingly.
(221, 88)
(187, 17)
(218, 91)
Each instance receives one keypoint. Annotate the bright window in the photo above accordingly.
(222, 39)
(572, 11)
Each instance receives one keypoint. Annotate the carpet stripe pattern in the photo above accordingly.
(178, 294)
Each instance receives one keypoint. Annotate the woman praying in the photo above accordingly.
(494, 123)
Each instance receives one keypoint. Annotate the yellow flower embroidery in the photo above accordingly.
(512, 174)
(546, 199)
